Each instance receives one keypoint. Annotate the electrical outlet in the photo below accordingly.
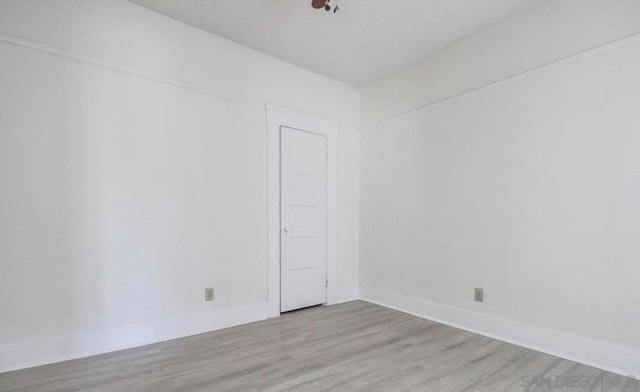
(208, 294)
(479, 294)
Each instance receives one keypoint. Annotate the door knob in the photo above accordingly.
(286, 229)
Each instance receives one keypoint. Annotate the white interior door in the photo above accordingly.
(303, 219)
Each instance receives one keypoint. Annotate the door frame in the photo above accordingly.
(277, 118)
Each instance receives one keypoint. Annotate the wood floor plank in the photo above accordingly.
(356, 346)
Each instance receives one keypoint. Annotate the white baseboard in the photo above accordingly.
(62, 348)
(348, 294)
(616, 359)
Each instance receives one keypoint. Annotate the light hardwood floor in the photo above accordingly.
(356, 346)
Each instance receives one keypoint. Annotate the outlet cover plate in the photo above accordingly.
(479, 295)
(208, 294)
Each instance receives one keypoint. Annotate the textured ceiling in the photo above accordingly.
(365, 40)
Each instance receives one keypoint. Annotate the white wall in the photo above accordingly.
(528, 188)
(548, 31)
(348, 209)
(133, 175)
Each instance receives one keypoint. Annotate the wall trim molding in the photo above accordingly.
(84, 344)
(603, 48)
(606, 356)
(95, 61)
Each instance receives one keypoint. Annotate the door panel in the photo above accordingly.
(303, 218)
